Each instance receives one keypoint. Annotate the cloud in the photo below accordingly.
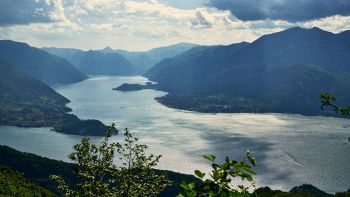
(200, 21)
(288, 10)
(19, 12)
(142, 24)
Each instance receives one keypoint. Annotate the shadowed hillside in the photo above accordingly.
(27, 102)
(273, 73)
(37, 63)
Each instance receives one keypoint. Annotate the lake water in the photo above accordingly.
(290, 149)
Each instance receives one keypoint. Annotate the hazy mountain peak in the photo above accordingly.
(48, 68)
(108, 50)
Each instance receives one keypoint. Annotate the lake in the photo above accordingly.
(290, 149)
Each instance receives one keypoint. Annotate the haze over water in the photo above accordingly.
(290, 149)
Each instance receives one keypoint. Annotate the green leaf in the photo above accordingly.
(249, 169)
(184, 185)
(199, 174)
(210, 157)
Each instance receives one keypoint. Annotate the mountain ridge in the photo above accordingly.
(94, 62)
(139, 61)
(48, 68)
(27, 102)
(287, 68)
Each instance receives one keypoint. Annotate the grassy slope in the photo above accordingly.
(13, 184)
(37, 169)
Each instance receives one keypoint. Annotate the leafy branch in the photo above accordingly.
(134, 175)
(328, 100)
(221, 176)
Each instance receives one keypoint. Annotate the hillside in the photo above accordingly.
(37, 63)
(288, 68)
(27, 102)
(13, 184)
(96, 62)
(37, 169)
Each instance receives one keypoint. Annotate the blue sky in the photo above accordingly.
(144, 24)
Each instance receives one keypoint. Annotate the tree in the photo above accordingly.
(328, 100)
(99, 175)
(219, 183)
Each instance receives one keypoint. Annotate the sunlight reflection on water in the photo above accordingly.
(290, 149)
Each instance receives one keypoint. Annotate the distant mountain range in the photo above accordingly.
(147, 59)
(280, 72)
(37, 63)
(96, 62)
(27, 102)
(118, 62)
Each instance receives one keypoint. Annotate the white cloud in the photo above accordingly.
(144, 24)
(21, 12)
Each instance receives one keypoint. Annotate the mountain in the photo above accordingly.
(27, 102)
(96, 62)
(271, 74)
(37, 63)
(118, 62)
(18, 87)
(147, 59)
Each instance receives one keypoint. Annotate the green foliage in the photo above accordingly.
(308, 189)
(221, 177)
(209, 103)
(99, 176)
(343, 194)
(13, 184)
(328, 100)
(267, 192)
(37, 169)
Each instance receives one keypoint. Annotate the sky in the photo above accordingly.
(139, 25)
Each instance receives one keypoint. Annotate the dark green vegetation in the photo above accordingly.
(219, 182)
(267, 192)
(38, 169)
(310, 189)
(35, 168)
(299, 191)
(99, 176)
(133, 87)
(37, 63)
(221, 177)
(328, 100)
(27, 102)
(13, 184)
(96, 62)
(273, 73)
(210, 104)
